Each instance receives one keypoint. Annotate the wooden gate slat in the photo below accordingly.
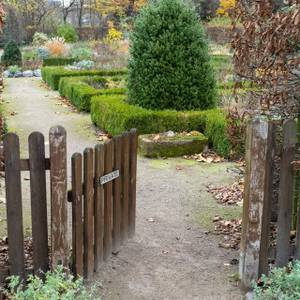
(88, 212)
(133, 175)
(77, 215)
(267, 202)
(108, 202)
(117, 194)
(125, 171)
(59, 214)
(286, 193)
(99, 206)
(14, 204)
(38, 202)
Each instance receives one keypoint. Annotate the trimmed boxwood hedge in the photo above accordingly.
(113, 114)
(79, 92)
(58, 61)
(52, 75)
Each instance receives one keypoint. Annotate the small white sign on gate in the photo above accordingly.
(109, 177)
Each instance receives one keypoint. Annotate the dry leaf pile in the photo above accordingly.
(207, 156)
(231, 231)
(228, 195)
(28, 250)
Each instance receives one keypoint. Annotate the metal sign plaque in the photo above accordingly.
(109, 177)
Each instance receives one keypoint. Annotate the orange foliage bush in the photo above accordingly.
(57, 47)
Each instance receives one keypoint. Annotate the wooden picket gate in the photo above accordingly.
(258, 250)
(108, 207)
(103, 200)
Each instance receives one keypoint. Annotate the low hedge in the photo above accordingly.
(58, 61)
(52, 75)
(79, 92)
(113, 114)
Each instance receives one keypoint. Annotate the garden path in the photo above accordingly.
(172, 255)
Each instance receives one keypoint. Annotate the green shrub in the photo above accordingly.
(113, 114)
(58, 285)
(29, 55)
(79, 91)
(58, 61)
(282, 283)
(68, 32)
(12, 55)
(81, 53)
(170, 67)
(52, 75)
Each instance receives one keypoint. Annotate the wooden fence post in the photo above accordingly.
(88, 212)
(257, 201)
(286, 193)
(99, 206)
(108, 202)
(77, 215)
(133, 175)
(59, 214)
(38, 202)
(125, 173)
(117, 211)
(14, 205)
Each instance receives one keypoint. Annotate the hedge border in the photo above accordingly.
(52, 75)
(80, 92)
(114, 115)
(58, 61)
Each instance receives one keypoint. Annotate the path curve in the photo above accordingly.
(171, 256)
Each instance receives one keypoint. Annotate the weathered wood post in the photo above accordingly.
(59, 213)
(14, 205)
(286, 193)
(257, 201)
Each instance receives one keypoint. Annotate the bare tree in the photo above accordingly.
(67, 8)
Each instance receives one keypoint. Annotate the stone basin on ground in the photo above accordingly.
(171, 144)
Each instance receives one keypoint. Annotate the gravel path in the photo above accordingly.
(172, 255)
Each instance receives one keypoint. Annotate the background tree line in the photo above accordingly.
(25, 17)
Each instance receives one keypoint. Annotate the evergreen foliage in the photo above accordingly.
(170, 66)
(12, 55)
(68, 32)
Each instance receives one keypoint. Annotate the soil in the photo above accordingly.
(173, 255)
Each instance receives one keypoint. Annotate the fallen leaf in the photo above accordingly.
(151, 220)
(156, 138)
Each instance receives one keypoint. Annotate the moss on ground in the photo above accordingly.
(167, 163)
(204, 215)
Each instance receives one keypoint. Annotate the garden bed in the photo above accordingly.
(113, 114)
(103, 93)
